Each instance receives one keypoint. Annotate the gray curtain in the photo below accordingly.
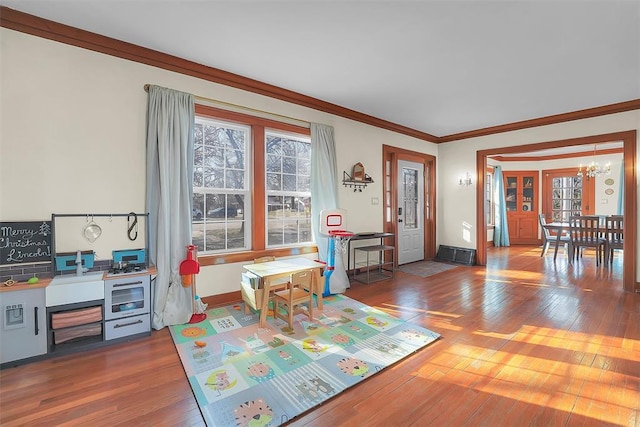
(501, 229)
(324, 194)
(170, 133)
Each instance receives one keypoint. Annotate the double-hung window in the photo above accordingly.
(221, 186)
(251, 186)
(288, 169)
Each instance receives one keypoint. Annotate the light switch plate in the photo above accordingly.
(375, 201)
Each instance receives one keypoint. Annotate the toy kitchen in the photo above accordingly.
(88, 303)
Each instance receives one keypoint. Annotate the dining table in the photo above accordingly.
(268, 272)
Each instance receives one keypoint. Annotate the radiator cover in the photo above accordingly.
(464, 256)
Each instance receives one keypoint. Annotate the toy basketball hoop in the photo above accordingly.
(333, 223)
(332, 220)
(341, 238)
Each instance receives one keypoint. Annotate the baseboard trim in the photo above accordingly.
(223, 299)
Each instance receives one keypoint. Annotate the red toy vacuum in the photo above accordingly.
(188, 269)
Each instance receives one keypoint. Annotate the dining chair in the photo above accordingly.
(548, 239)
(290, 301)
(614, 236)
(584, 232)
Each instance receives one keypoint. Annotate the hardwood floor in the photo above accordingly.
(525, 342)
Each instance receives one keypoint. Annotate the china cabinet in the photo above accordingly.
(521, 201)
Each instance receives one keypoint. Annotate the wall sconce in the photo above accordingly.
(465, 180)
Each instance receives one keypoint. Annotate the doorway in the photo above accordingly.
(410, 185)
(630, 209)
(423, 167)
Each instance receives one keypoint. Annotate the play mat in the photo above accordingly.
(243, 375)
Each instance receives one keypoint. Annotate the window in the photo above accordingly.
(489, 206)
(566, 198)
(251, 186)
(288, 180)
(220, 186)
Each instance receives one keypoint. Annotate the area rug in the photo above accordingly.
(426, 268)
(243, 375)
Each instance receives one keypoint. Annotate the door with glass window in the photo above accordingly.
(410, 212)
(565, 194)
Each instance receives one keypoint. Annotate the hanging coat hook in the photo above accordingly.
(132, 226)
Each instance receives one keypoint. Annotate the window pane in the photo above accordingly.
(304, 167)
(304, 184)
(198, 207)
(289, 147)
(289, 165)
(274, 233)
(275, 207)
(410, 201)
(274, 163)
(303, 150)
(274, 181)
(235, 179)
(289, 182)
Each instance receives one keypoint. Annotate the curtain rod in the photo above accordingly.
(241, 107)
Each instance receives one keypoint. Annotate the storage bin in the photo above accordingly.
(83, 316)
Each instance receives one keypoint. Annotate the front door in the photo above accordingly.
(410, 212)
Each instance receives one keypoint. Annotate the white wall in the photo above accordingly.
(72, 140)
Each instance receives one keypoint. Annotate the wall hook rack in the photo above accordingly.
(356, 184)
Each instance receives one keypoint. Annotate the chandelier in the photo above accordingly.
(594, 169)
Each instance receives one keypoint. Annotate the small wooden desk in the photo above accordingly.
(268, 271)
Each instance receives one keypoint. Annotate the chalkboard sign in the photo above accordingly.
(24, 242)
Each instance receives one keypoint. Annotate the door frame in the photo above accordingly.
(390, 190)
(628, 138)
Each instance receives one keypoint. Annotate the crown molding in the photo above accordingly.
(604, 110)
(555, 156)
(36, 26)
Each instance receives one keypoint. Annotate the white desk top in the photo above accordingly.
(284, 266)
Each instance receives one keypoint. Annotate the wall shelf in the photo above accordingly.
(357, 185)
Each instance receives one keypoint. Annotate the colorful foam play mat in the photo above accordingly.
(244, 375)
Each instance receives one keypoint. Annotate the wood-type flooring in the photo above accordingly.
(526, 342)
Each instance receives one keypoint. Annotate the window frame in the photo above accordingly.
(489, 190)
(259, 126)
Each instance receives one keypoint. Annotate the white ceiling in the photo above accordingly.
(440, 67)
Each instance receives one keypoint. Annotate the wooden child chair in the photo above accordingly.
(296, 294)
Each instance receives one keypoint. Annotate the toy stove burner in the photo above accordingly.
(127, 269)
